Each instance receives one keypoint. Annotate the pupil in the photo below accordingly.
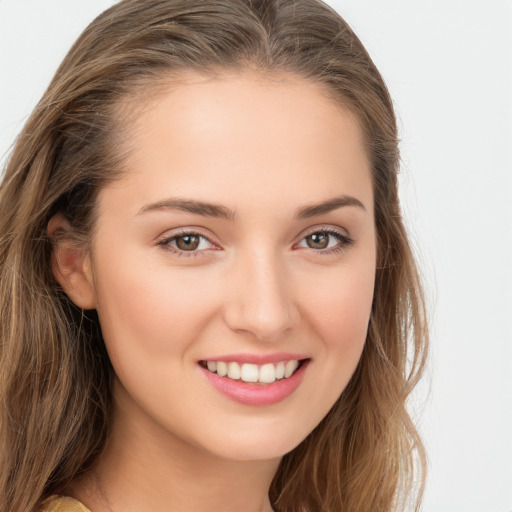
(188, 242)
(318, 240)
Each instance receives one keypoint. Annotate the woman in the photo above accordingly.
(208, 300)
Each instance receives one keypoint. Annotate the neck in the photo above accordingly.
(146, 469)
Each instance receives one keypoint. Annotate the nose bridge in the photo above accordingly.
(262, 299)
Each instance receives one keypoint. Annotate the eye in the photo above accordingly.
(186, 242)
(326, 241)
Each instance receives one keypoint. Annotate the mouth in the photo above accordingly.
(253, 373)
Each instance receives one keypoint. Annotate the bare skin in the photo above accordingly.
(271, 275)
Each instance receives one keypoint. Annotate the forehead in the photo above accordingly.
(235, 136)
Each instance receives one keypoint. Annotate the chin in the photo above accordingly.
(262, 442)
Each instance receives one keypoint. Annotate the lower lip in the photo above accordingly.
(256, 394)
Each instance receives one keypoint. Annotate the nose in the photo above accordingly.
(261, 300)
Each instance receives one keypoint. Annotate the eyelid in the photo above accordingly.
(344, 240)
(344, 237)
(164, 241)
(324, 228)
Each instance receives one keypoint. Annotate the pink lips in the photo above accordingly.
(258, 359)
(257, 394)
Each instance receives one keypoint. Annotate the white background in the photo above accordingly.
(448, 64)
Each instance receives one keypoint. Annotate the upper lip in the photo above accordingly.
(258, 359)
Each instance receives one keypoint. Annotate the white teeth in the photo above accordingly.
(234, 371)
(268, 373)
(291, 366)
(222, 369)
(247, 372)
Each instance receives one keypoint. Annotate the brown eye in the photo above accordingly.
(190, 243)
(187, 242)
(318, 240)
(326, 241)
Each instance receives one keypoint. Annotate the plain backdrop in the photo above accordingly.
(448, 64)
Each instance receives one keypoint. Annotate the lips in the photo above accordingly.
(257, 358)
(249, 372)
(272, 380)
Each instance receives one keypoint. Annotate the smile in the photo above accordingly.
(255, 384)
(247, 372)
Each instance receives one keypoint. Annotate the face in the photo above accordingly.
(240, 238)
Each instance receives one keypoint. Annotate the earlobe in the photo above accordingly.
(71, 264)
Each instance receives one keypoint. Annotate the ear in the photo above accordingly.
(71, 264)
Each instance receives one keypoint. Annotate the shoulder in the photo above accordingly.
(62, 504)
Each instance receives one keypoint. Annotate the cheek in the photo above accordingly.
(342, 316)
(150, 322)
(341, 305)
(125, 308)
(151, 312)
(339, 311)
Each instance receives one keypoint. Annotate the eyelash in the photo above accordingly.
(344, 239)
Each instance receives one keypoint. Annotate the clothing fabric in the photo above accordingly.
(62, 504)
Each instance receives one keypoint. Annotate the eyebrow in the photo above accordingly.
(216, 210)
(190, 206)
(330, 205)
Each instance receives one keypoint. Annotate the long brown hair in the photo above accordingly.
(55, 376)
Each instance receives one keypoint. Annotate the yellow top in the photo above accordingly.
(62, 504)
